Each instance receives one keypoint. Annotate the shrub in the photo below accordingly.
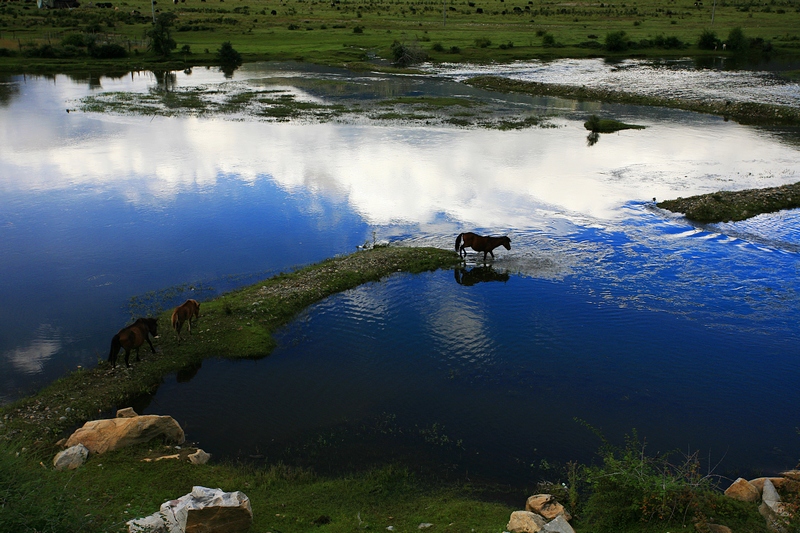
(631, 488)
(708, 40)
(482, 42)
(108, 51)
(548, 40)
(74, 39)
(737, 42)
(616, 41)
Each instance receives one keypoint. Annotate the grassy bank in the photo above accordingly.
(730, 206)
(351, 32)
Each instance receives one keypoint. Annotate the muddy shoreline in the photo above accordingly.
(741, 112)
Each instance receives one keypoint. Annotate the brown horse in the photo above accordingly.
(480, 243)
(131, 337)
(184, 313)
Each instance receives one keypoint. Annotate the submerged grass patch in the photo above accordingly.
(280, 105)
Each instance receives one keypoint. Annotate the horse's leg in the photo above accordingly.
(137, 353)
(127, 355)
(147, 337)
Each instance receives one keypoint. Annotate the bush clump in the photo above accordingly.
(616, 41)
(708, 40)
(406, 55)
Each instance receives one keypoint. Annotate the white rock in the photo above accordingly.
(71, 458)
(558, 525)
(199, 457)
(769, 493)
(203, 510)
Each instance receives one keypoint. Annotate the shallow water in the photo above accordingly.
(606, 309)
(679, 78)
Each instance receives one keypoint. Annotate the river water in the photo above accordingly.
(606, 312)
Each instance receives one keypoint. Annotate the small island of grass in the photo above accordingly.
(732, 206)
(596, 124)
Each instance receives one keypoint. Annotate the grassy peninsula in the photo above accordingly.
(236, 325)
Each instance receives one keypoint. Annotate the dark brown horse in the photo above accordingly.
(131, 337)
(184, 313)
(480, 243)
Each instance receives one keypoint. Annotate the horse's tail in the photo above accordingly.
(115, 347)
(175, 319)
(458, 241)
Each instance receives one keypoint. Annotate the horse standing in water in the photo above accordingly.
(480, 243)
(132, 337)
(184, 313)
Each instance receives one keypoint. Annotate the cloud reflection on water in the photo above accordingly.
(485, 178)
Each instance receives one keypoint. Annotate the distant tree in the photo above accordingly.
(160, 35)
(708, 40)
(228, 56)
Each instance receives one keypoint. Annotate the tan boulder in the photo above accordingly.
(791, 474)
(743, 490)
(200, 457)
(127, 412)
(525, 522)
(547, 506)
(758, 483)
(718, 528)
(100, 436)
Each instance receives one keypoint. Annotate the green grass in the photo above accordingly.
(113, 488)
(349, 33)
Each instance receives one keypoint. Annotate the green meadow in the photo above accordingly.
(350, 32)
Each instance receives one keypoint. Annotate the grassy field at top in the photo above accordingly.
(346, 32)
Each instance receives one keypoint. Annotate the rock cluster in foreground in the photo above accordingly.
(764, 491)
(542, 513)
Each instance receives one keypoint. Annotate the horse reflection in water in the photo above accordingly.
(480, 243)
(478, 275)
